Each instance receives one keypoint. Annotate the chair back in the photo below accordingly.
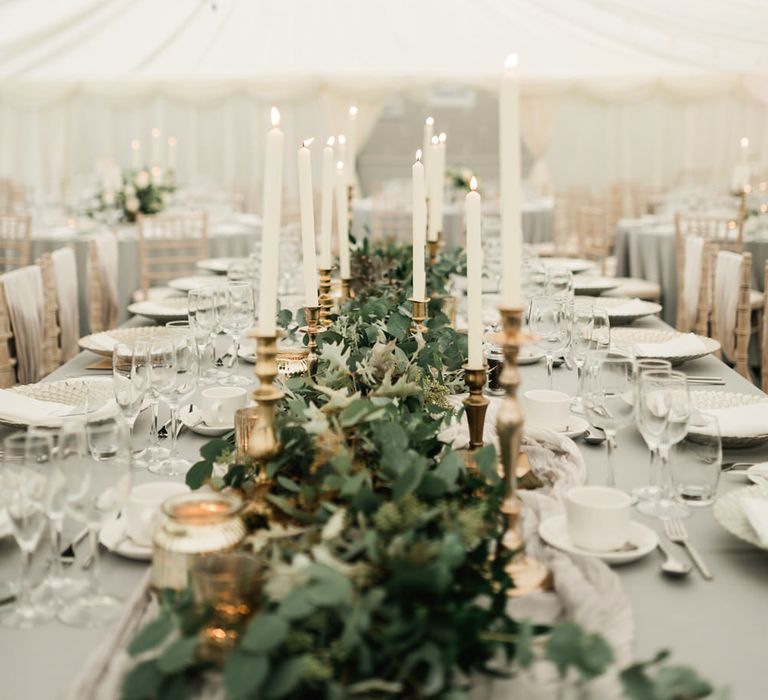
(7, 358)
(51, 332)
(170, 246)
(731, 274)
(25, 299)
(101, 275)
(565, 219)
(15, 232)
(595, 235)
(726, 232)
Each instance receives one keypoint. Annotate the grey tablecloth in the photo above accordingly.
(716, 626)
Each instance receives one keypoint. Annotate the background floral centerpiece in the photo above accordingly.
(145, 191)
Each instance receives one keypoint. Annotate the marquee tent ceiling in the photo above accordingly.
(274, 41)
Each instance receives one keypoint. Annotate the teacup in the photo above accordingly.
(219, 404)
(547, 409)
(142, 509)
(597, 517)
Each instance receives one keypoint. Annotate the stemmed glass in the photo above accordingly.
(664, 505)
(550, 324)
(601, 328)
(608, 394)
(581, 344)
(236, 314)
(651, 408)
(174, 371)
(26, 491)
(130, 382)
(559, 282)
(99, 480)
(201, 312)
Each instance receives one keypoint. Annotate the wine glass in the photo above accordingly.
(174, 373)
(601, 328)
(236, 314)
(665, 505)
(581, 344)
(99, 487)
(559, 282)
(130, 381)
(238, 271)
(201, 312)
(26, 493)
(608, 394)
(550, 324)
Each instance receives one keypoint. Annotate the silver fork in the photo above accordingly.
(677, 533)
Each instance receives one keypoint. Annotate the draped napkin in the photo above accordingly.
(16, 408)
(65, 272)
(694, 250)
(741, 421)
(727, 287)
(679, 346)
(24, 295)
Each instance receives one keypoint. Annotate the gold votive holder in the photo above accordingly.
(313, 327)
(192, 525)
(229, 586)
(476, 404)
(528, 574)
(245, 422)
(325, 299)
(418, 315)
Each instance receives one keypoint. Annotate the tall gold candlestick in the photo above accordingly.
(350, 197)
(475, 404)
(419, 315)
(325, 299)
(263, 443)
(312, 317)
(529, 574)
(433, 248)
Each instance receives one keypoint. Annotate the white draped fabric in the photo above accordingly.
(610, 90)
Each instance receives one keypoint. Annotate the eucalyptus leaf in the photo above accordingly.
(142, 681)
(198, 474)
(284, 679)
(244, 674)
(213, 449)
(178, 655)
(265, 633)
(152, 634)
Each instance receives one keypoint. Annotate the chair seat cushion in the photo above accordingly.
(636, 287)
(155, 294)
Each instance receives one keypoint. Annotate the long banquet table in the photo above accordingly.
(717, 626)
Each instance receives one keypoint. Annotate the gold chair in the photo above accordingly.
(51, 333)
(102, 308)
(15, 232)
(170, 246)
(595, 236)
(726, 232)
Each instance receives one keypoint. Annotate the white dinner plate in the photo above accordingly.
(554, 531)
(704, 400)
(170, 309)
(529, 355)
(115, 539)
(629, 337)
(729, 512)
(184, 284)
(623, 310)
(219, 266)
(575, 265)
(588, 284)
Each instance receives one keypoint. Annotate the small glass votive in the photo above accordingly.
(695, 462)
(494, 357)
(246, 420)
(230, 586)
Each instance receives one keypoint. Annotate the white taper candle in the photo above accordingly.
(419, 228)
(342, 223)
(326, 202)
(306, 204)
(472, 214)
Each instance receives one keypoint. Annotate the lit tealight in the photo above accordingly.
(473, 183)
(429, 121)
(443, 137)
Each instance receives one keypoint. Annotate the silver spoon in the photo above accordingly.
(672, 566)
(595, 436)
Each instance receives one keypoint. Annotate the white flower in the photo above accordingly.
(142, 179)
(129, 191)
(132, 204)
(109, 198)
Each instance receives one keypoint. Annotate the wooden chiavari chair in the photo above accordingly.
(565, 221)
(7, 359)
(763, 335)
(726, 232)
(102, 310)
(595, 236)
(51, 332)
(15, 233)
(170, 246)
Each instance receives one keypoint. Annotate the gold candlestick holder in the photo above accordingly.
(476, 404)
(419, 315)
(433, 248)
(313, 327)
(325, 299)
(263, 443)
(529, 574)
(346, 289)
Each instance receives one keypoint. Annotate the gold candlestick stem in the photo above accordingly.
(529, 574)
(312, 317)
(346, 289)
(433, 248)
(263, 443)
(325, 299)
(475, 404)
(419, 315)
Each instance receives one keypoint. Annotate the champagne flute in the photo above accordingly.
(609, 395)
(174, 372)
(550, 324)
(581, 344)
(99, 489)
(601, 328)
(130, 382)
(236, 314)
(559, 282)
(201, 311)
(26, 493)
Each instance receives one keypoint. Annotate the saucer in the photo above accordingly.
(577, 426)
(247, 354)
(529, 356)
(554, 531)
(756, 471)
(194, 422)
(114, 538)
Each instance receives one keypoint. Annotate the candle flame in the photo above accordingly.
(744, 142)
(473, 183)
(135, 144)
(429, 121)
(171, 140)
(155, 133)
(306, 143)
(418, 155)
(330, 141)
(339, 166)
(342, 139)
(435, 140)
(443, 137)
(275, 116)
(353, 111)
(511, 62)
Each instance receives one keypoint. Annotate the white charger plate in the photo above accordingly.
(703, 400)
(587, 284)
(104, 342)
(170, 309)
(185, 284)
(729, 512)
(575, 265)
(554, 531)
(613, 306)
(529, 355)
(629, 337)
(114, 538)
(219, 266)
